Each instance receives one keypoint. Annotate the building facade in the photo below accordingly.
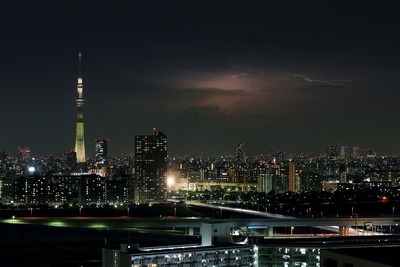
(150, 179)
(199, 256)
(101, 151)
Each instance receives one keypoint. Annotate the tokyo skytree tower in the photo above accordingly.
(80, 137)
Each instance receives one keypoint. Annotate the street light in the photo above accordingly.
(80, 211)
(393, 212)
(170, 182)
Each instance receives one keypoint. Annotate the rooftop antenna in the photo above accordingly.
(80, 65)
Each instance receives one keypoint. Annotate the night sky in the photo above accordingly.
(276, 75)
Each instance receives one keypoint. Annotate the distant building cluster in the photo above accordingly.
(150, 175)
(340, 168)
(98, 181)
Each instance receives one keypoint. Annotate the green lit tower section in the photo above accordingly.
(80, 137)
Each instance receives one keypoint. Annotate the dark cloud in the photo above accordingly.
(322, 88)
(206, 73)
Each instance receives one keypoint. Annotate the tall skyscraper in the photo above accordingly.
(80, 138)
(343, 152)
(239, 164)
(333, 152)
(71, 159)
(292, 176)
(150, 182)
(239, 153)
(280, 156)
(101, 152)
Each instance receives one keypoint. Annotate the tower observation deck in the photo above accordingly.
(80, 137)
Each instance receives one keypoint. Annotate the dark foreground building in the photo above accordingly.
(219, 248)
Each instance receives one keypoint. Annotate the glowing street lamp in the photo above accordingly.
(170, 182)
(31, 170)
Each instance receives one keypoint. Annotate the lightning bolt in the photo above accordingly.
(235, 75)
(309, 80)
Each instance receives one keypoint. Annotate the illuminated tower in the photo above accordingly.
(80, 138)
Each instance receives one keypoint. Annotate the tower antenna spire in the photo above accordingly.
(80, 65)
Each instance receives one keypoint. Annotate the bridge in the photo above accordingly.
(262, 220)
(338, 225)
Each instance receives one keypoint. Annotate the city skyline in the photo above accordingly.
(280, 76)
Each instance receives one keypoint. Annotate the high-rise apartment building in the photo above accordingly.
(239, 153)
(150, 181)
(101, 150)
(343, 152)
(280, 156)
(70, 158)
(80, 138)
(333, 152)
(239, 164)
(292, 176)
